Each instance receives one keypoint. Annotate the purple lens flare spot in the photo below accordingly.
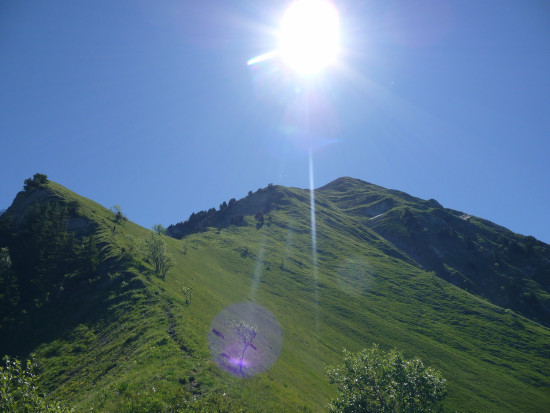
(245, 339)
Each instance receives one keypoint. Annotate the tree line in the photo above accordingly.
(45, 259)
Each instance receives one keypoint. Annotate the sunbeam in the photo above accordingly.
(312, 208)
(257, 271)
(313, 240)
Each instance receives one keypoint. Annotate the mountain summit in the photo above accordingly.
(374, 266)
(476, 255)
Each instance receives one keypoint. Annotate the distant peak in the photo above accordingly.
(346, 182)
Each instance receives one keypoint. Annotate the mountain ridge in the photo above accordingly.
(136, 344)
(425, 233)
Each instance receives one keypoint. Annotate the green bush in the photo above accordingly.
(18, 391)
(377, 381)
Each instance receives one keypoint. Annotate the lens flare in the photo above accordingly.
(262, 58)
(245, 339)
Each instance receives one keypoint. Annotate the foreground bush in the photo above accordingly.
(377, 381)
(18, 392)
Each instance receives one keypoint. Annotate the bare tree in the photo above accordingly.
(247, 333)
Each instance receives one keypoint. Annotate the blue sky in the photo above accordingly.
(151, 105)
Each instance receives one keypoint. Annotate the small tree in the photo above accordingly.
(119, 216)
(247, 333)
(260, 218)
(37, 181)
(377, 381)
(188, 292)
(5, 260)
(157, 253)
(159, 229)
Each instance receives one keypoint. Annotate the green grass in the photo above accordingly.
(129, 341)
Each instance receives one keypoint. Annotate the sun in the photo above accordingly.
(309, 36)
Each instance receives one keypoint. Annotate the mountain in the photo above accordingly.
(487, 260)
(465, 295)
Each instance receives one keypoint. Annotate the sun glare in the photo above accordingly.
(310, 35)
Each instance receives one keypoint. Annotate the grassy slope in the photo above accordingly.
(130, 341)
(494, 360)
(510, 270)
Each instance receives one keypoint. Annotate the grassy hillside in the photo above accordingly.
(124, 339)
(508, 269)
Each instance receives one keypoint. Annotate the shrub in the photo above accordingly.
(18, 391)
(377, 381)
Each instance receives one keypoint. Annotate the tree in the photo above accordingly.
(37, 181)
(237, 220)
(187, 292)
(377, 381)
(159, 229)
(46, 258)
(5, 260)
(9, 286)
(247, 334)
(156, 252)
(119, 216)
(87, 256)
(260, 218)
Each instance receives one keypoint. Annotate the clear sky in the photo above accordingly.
(151, 104)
